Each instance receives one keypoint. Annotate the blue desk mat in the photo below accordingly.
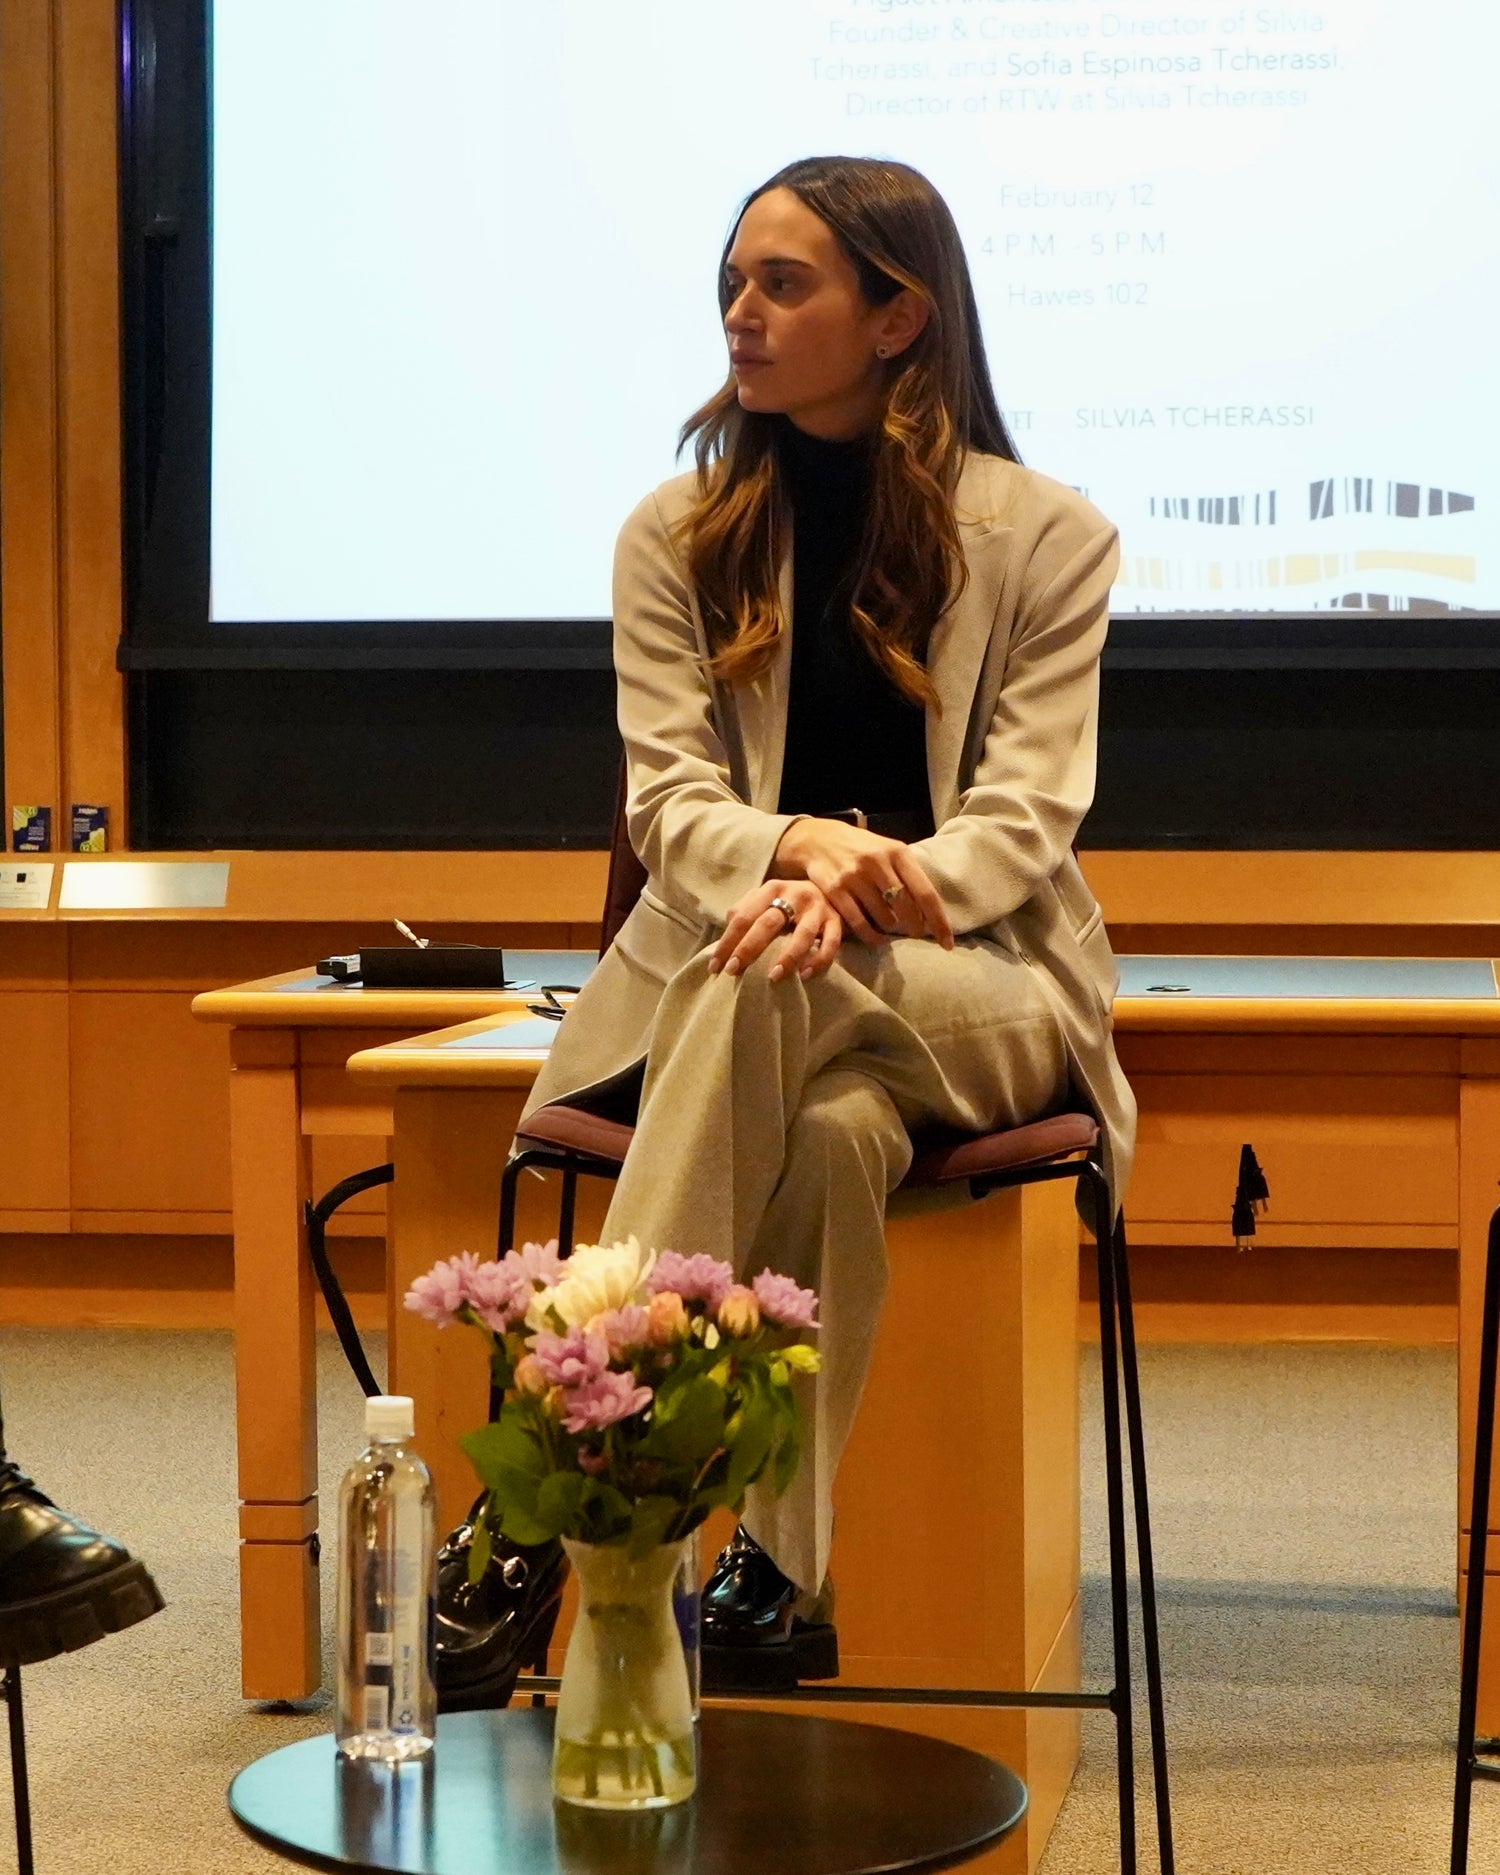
(1373, 979)
(526, 1038)
(528, 970)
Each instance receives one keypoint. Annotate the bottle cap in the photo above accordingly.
(389, 1417)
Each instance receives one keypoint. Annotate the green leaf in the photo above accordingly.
(604, 1512)
(748, 1456)
(788, 1452)
(558, 1501)
(480, 1547)
(510, 1444)
(693, 1428)
(523, 1526)
(515, 1488)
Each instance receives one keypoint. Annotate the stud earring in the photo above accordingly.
(882, 351)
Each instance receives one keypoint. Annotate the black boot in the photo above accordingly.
(62, 1585)
(487, 1631)
(760, 1632)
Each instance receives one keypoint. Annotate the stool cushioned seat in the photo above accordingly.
(975, 1156)
(1005, 1151)
(577, 1130)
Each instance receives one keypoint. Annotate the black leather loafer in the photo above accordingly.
(485, 1632)
(62, 1585)
(760, 1632)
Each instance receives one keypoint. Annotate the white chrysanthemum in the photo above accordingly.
(595, 1278)
(537, 1315)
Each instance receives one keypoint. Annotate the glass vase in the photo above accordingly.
(625, 1738)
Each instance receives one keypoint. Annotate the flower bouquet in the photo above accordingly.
(639, 1392)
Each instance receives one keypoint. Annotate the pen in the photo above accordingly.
(407, 932)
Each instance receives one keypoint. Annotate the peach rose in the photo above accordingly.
(530, 1381)
(667, 1319)
(739, 1312)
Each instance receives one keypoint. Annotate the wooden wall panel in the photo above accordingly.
(193, 955)
(34, 1115)
(120, 1280)
(32, 957)
(150, 1106)
(88, 410)
(28, 431)
(1275, 891)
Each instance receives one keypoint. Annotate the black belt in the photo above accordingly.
(907, 824)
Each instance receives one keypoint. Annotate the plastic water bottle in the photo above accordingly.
(387, 1705)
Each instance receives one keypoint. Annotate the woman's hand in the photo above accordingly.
(874, 884)
(812, 942)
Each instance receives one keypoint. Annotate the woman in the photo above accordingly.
(857, 653)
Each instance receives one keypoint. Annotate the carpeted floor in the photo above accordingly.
(1303, 1501)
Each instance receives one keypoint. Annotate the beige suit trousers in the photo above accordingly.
(774, 1120)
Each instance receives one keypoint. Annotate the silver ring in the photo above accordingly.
(891, 893)
(788, 912)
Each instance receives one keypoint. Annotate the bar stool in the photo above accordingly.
(577, 1143)
(20, 1784)
(1476, 1757)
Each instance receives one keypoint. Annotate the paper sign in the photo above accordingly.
(26, 887)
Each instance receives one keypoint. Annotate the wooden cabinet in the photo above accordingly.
(34, 1113)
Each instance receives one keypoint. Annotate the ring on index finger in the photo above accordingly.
(891, 893)
(788, 911)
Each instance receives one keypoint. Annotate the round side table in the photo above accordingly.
(801, 1795)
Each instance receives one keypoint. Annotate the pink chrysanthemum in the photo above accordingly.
(783, 1303)
(696, 1278)
(442, 1292)
(539, 1263)
(575, 1359)
(624, 1329)
(499, 1294)
(602, 1401)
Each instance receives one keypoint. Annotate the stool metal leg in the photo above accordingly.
(10, 1676)
(1479, 1520)
(1119, 1594)
(507, 1232)
(1149, 1629)
(566, 1209)
(551, 1159)
(1119, 1372)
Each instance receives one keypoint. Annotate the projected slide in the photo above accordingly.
(1236, 264)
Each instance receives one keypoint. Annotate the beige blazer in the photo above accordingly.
(1010, 765)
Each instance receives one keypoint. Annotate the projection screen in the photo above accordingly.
(1236, 267)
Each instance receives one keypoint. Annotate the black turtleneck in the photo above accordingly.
(852, 738)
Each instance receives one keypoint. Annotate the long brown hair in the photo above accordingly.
(898, 232)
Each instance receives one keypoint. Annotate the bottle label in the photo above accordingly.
(379, 1650)
(407, 1659)
(377, 1708)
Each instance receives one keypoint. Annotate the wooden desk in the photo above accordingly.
(1377, 1117)
(290, 1036)
(1370, 1088)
